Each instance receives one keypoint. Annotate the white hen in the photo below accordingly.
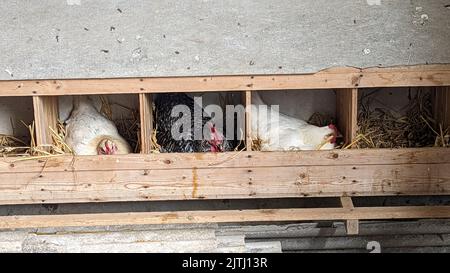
(90, 133)
(287, 133)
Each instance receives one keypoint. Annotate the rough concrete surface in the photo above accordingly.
(146, 239)
(390, 236)
(102, 38)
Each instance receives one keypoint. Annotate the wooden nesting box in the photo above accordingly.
(233, 175)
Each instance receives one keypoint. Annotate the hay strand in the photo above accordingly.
(413, 126)
(128, 126)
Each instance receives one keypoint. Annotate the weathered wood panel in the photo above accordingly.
(227, 160)
(442, 107)
(45, 117)
(233, 183)
(347, 112)
(146, 122)
(223, 216)
(420, 75)
(248, 120)
(352, 226)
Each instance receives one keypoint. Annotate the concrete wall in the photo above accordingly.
(103, 38)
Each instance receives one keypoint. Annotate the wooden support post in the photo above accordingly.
(344, 77)
(442, 107)
(146, 121)
(222, 216)
(248, 120)
(45, 117)
(351, 225)
(347, 113)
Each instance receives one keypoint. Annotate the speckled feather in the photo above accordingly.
(164, 104)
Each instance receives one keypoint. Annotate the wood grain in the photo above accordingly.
(248, 120)
(164, 161)
(346, 77)
(223, 216)
(347, 113)
(231, 183)
(146, 122)
(45, 117)
(442, 107)
(351, 225)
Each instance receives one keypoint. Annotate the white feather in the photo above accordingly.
(86, 127)
(286, 133)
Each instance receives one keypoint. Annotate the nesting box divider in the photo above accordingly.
(351, 225)
(247, 98)
(347, 113)
(442, 106)
(340, 173)
(146, 121)
(45, 117)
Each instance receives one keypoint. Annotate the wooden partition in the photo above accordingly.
(233, 175)
(45, 117)
(146, 122)
(347, 112)
(333, 78)
(442, 106)
(248, 120)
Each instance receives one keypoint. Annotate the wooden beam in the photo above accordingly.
(347, 113)
(333, 78)
(223, 216)
(351, 225)
(146, 121)
(165, 161)
(45, 117)
(248, 120)
(442, 107)
(227, 183)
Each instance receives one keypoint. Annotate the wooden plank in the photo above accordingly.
(347, 112)
(223, 216)
(227, 160)
(248, 120)
(442, 107)
(351, 225)
(45, 117)
(146, 121)
(419, 75)
(231, 183)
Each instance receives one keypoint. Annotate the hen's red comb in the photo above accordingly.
(332, 126)
(336, 132)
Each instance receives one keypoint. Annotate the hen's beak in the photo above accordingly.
(220, 147)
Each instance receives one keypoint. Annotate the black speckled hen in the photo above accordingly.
(164, 104)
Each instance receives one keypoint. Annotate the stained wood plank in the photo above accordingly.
(351, 225)
(442, 107)
(419, 75)
(146, 122)
(45, 117)
(232, 183)
(222, 216)
(227, 160)
(347, 112)
(248, 120)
